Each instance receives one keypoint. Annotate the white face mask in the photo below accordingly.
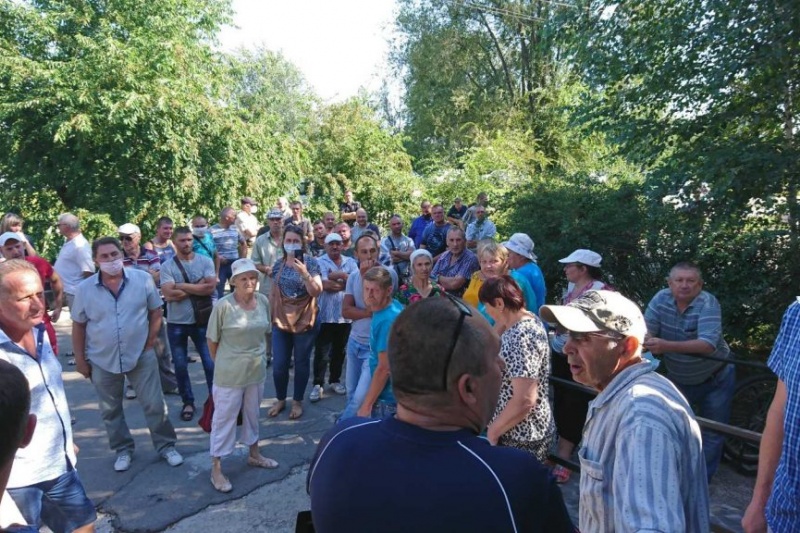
(112, 268)
(291, 247)
(253, 210)
(199, 232)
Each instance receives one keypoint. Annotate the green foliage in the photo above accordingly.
(354, 151)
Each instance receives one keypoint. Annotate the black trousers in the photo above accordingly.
(569, 406)
(330, 345)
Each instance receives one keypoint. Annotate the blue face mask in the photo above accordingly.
(291, 247)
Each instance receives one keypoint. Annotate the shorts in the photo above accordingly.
(60, 503)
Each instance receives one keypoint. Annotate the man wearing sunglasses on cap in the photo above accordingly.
(642, 466)
(426, 468)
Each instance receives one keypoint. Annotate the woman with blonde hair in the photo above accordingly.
(493, 259)
(13, 222)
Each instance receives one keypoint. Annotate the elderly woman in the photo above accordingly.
(238, 346)
(522, 418)
(296, 283)
(13, 223)
(493, 258)
(419, 286)
(582, 270)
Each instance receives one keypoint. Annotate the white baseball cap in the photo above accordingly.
(585, 257)
(11, 236)
(598, 311)
(128, 229)
(333, 237)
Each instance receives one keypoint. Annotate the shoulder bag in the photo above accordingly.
(202, 305)
(293, 315)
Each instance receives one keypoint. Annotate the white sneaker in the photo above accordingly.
(339, 389)
(172, 456)
(130, 393)
(316, 393)
(123, 462)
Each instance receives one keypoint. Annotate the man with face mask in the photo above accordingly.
(203, 242)
(115, 323)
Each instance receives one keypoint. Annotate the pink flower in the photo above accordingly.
(415, 297)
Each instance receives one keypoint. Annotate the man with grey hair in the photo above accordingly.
(455, 267)
(446, 373)
(684, 323)
(74, 261)
(642, 466)
(43, 483)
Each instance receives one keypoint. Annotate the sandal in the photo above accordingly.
(297, 411)
(187, 413)
(561, 474)
(262, 462)
(224, 484)
(276, 408)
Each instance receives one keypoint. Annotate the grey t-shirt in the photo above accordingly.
(359, 331)
(198, 268)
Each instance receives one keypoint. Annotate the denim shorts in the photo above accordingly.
(382, 409)
(60, 503)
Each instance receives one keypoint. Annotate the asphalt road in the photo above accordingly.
(152, 496)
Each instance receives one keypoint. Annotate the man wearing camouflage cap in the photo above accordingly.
(642, 466)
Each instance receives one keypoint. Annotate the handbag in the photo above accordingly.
(293, 315)
(208, 415)
(201, 305)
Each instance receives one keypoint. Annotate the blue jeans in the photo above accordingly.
(60, 503)
(178, 335)
(357, 377)
(224, 275)
(712, 399)
(283, 344)
(382, 409)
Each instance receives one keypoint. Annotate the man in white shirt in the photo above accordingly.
(43, 482)
(74, 261)
(247, 223)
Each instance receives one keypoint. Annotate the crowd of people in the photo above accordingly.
(442, 342)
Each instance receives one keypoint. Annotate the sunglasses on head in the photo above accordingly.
(464, 311)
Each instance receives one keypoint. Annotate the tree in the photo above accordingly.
(118, 107)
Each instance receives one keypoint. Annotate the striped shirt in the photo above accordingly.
(148, 260)
(227, 241)
(330, 302)
(701, 320)
(783, 507)
(642, 465)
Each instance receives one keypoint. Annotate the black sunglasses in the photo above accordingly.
(464, 311)
(125, 238)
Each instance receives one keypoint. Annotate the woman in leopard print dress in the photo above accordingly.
(522, 418)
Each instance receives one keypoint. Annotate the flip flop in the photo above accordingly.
(296, 412)
(187, 413)
(222, 486)
(262, 462)
(276, 408)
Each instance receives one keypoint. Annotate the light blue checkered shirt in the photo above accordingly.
(783, 508)
(330, 303)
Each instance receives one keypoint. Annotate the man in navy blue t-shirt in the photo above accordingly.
(426, 468)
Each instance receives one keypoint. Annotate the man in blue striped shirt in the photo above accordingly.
(642, 467)
(685, 323)
(777, 487)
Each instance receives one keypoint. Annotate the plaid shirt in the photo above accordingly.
(783, 508)
(148, 260)
(464, 266)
